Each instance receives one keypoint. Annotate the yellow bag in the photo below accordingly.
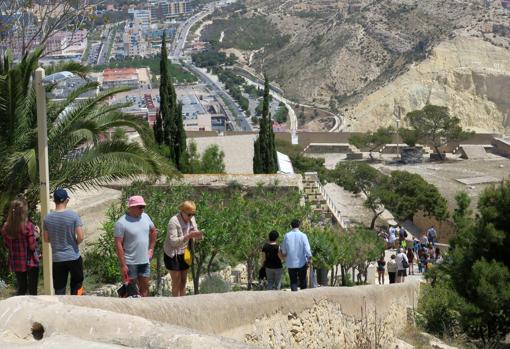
(187, 257)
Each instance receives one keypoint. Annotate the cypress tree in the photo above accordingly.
(169, 128)
(163, 120)
(265, 159)
(179, 149)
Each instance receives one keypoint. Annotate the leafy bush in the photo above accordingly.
(436, 310)
(214, 284)
(472, 285)
(101, 259)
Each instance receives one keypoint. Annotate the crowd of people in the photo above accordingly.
(423, 252)
(134, 238)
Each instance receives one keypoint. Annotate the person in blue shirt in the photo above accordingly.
(296, 250)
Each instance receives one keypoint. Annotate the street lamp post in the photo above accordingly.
(44, 177)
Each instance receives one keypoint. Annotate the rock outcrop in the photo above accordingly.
(468, 75)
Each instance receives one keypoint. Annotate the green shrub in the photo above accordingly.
(214, 284)
(436, 312)
(101, 259)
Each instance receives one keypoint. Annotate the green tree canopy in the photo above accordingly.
(359, 177)
(434, 125)
(372, 140)
(476, 273)
(405, 193)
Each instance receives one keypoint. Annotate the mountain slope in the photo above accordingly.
(338, 53)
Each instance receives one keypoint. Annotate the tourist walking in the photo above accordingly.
(381, 263)
(392, 236)
(402, 265)
(391, 267)
(135, 236)
(432, 235)
(296, 250)
(20, 237)
(410, 258)
(439, 256)
(272, 261)
(422, 260)
(424, 240)
(63, 229)
(182, 229)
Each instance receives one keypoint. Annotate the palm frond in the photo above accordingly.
(72, 67)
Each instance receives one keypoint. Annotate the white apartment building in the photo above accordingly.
(134, 40)
(142, 16)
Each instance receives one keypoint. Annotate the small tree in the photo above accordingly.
(435, 126)
(359, 177)
(212, 160)
(409, 137)
(372, 140)
(405, 193)
(325, 244)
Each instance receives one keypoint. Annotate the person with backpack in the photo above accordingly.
(20, 237)
(432, 235)
(391, 267)
(410, 258)
(402, 265)
(402, 235)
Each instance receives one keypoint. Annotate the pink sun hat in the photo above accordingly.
(136, 200)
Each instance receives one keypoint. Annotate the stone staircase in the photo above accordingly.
(317, 197)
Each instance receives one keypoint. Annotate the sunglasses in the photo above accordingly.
(140, 207)
(190, 214)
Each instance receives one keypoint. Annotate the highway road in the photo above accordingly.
(236, 117)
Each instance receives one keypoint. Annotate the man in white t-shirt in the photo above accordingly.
(401, 268)
(135, 237)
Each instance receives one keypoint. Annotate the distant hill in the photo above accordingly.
(341, 53)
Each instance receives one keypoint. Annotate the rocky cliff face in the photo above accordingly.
(467, 74)
(376, 58)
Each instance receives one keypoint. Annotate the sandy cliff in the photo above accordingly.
(467, 74)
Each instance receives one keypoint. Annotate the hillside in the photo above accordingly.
(338, 53)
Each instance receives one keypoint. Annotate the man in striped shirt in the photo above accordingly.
(63, 229)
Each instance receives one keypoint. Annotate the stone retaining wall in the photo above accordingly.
(315, 318)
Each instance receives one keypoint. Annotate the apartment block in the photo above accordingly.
(167, 9)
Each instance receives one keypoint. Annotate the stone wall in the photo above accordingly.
(446, 229)
(315, 318)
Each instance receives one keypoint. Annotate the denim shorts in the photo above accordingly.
(137, 270)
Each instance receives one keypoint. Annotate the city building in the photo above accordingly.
(120, 77)
(167, 9)
(142, 16)
(194, 115)
(134, 41)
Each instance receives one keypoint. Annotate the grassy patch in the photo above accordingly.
(245, 33)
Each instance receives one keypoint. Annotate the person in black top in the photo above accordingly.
(272, 260)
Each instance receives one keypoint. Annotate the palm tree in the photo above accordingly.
(80, 156)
